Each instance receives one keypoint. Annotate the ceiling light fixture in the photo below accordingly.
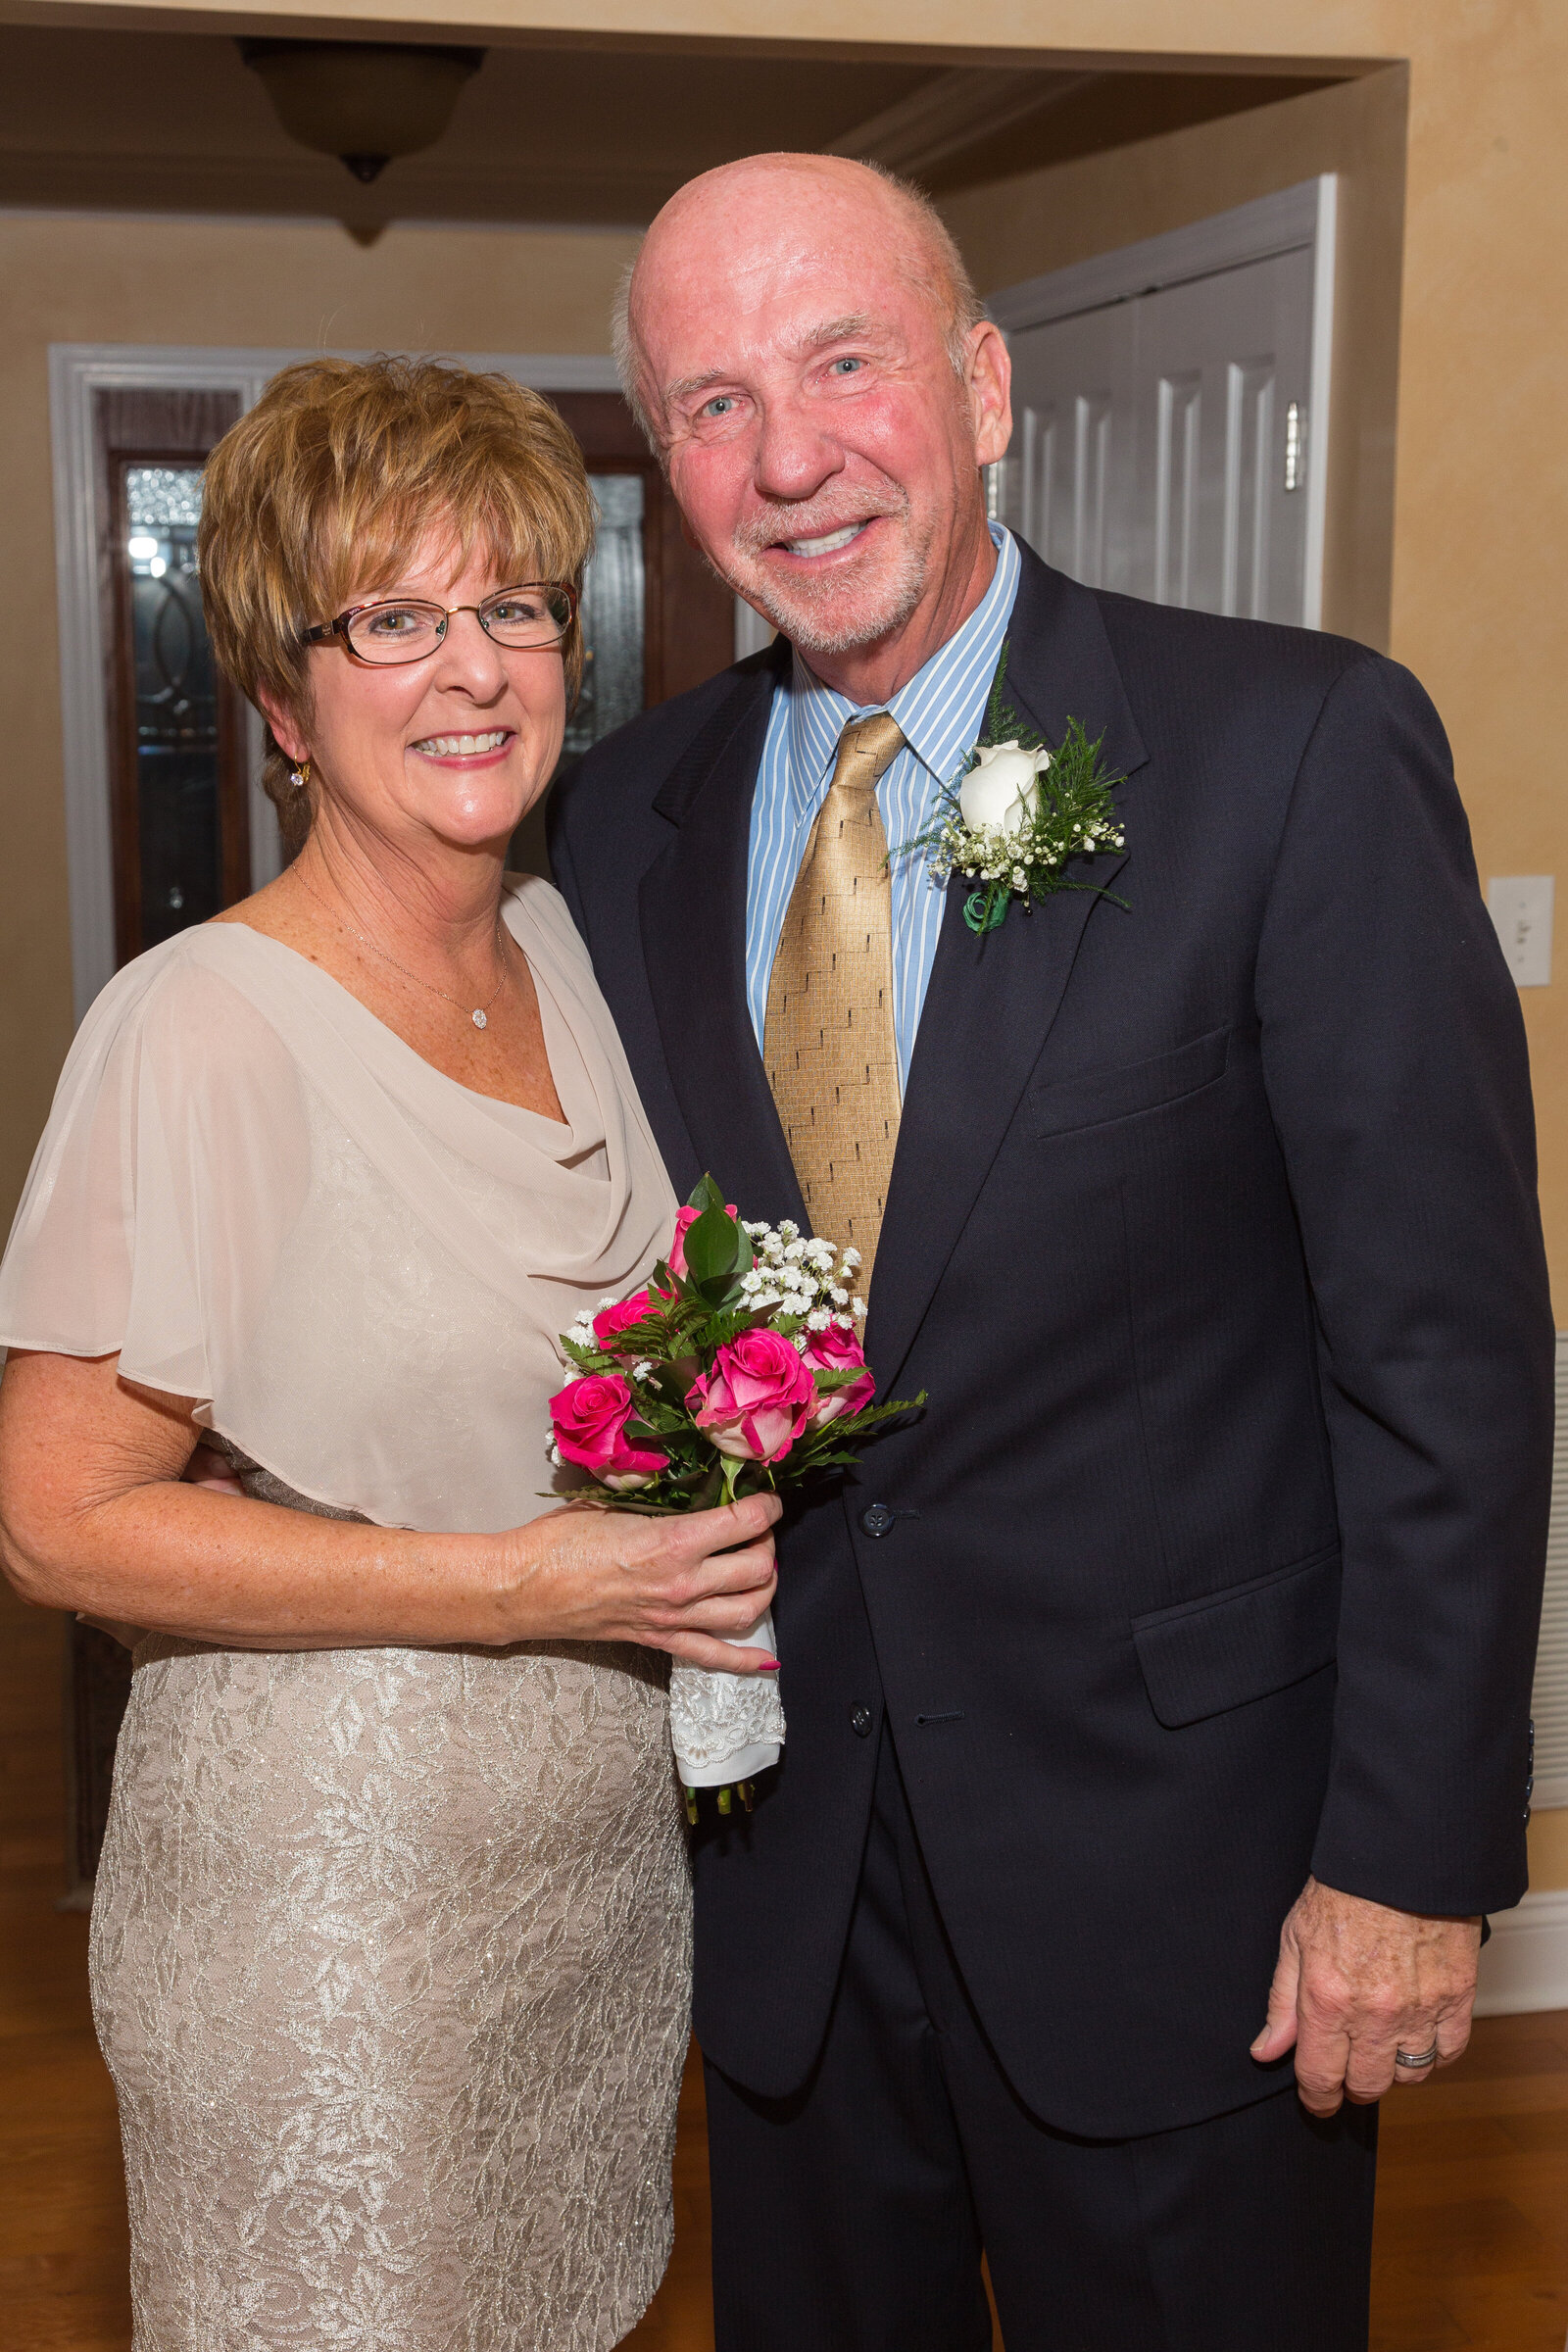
(361, 101)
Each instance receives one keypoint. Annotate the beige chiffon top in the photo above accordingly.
(262, 1199)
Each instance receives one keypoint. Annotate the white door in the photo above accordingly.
(1160, 440)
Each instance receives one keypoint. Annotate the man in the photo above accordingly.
(1186, 1637)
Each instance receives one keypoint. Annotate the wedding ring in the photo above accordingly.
(1416, 2057)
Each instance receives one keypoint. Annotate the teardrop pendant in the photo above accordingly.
(482, 1019)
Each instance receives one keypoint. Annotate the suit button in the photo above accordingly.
(877, 1519)
(860, 1723)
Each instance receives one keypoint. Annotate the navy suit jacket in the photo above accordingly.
(1216, 1558)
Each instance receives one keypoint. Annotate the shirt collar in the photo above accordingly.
(940, 709)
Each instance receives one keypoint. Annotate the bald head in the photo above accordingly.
(750, 214)
(803, 344)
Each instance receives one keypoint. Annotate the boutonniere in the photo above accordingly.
(1017, 814)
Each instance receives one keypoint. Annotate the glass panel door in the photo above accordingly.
(177, 737)
(173, 696)
(613, 590)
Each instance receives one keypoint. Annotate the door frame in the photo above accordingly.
(1303, 218)
(76, 371)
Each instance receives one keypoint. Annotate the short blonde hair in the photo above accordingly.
(320, 493)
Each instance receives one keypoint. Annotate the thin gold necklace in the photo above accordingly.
(479, 1014)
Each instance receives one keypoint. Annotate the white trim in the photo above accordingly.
(76, 371)
(1251, 232)
(83, 721)
(1525, 1966)
(1548, 1699)
(1319, 399)
(1304, 217)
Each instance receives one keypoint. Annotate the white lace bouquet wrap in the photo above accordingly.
(726, 1728)
(738, 1369)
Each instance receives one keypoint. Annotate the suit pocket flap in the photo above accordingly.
(1232, 1646)
(1096, 1096)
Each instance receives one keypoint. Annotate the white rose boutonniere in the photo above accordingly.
(1018, 815)
(1002, 788)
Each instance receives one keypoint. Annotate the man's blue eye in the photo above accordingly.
(846, 365)
(718, 406)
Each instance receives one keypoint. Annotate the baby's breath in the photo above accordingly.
(802, 1276)
(1072, 815)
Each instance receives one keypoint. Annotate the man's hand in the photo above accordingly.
(1356, 1984)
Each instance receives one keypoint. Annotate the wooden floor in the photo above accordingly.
(1472, 2242)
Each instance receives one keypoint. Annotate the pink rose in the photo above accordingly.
(590, 1417)
(685, 1219)
(757, 1399)
(838, 1350)
(612, 1321)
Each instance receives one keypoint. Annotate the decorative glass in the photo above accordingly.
(175, 690)
(158, 495)
(612, 594)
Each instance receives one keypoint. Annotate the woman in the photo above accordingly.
(390, 1943)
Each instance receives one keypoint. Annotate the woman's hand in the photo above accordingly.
(96, 1515)
(679, 1584)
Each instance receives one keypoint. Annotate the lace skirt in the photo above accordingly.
(391, 1957)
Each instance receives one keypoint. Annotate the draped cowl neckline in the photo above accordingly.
(364, 1068)
(263, 1198)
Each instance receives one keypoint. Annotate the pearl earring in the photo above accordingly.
(301, 775)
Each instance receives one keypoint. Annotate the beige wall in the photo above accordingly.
(98, 281)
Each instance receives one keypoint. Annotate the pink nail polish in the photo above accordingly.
(769, 1666)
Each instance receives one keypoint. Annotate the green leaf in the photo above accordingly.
(711, 1249)
(871, 1416)
(706, 1196)
(639, 1434)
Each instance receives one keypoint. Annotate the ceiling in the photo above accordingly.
(173, 122)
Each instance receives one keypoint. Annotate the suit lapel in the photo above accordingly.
(692, 906)
(992, 1001)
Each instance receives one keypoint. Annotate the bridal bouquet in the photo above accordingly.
(737, 1369)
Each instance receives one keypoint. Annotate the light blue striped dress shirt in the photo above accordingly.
(941, 712)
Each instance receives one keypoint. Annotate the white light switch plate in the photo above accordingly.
(1520, 906)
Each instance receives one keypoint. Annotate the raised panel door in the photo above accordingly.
(1152, 437)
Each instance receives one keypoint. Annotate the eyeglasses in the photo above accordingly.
(539, 613)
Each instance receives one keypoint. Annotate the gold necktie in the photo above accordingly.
(828, 1041)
